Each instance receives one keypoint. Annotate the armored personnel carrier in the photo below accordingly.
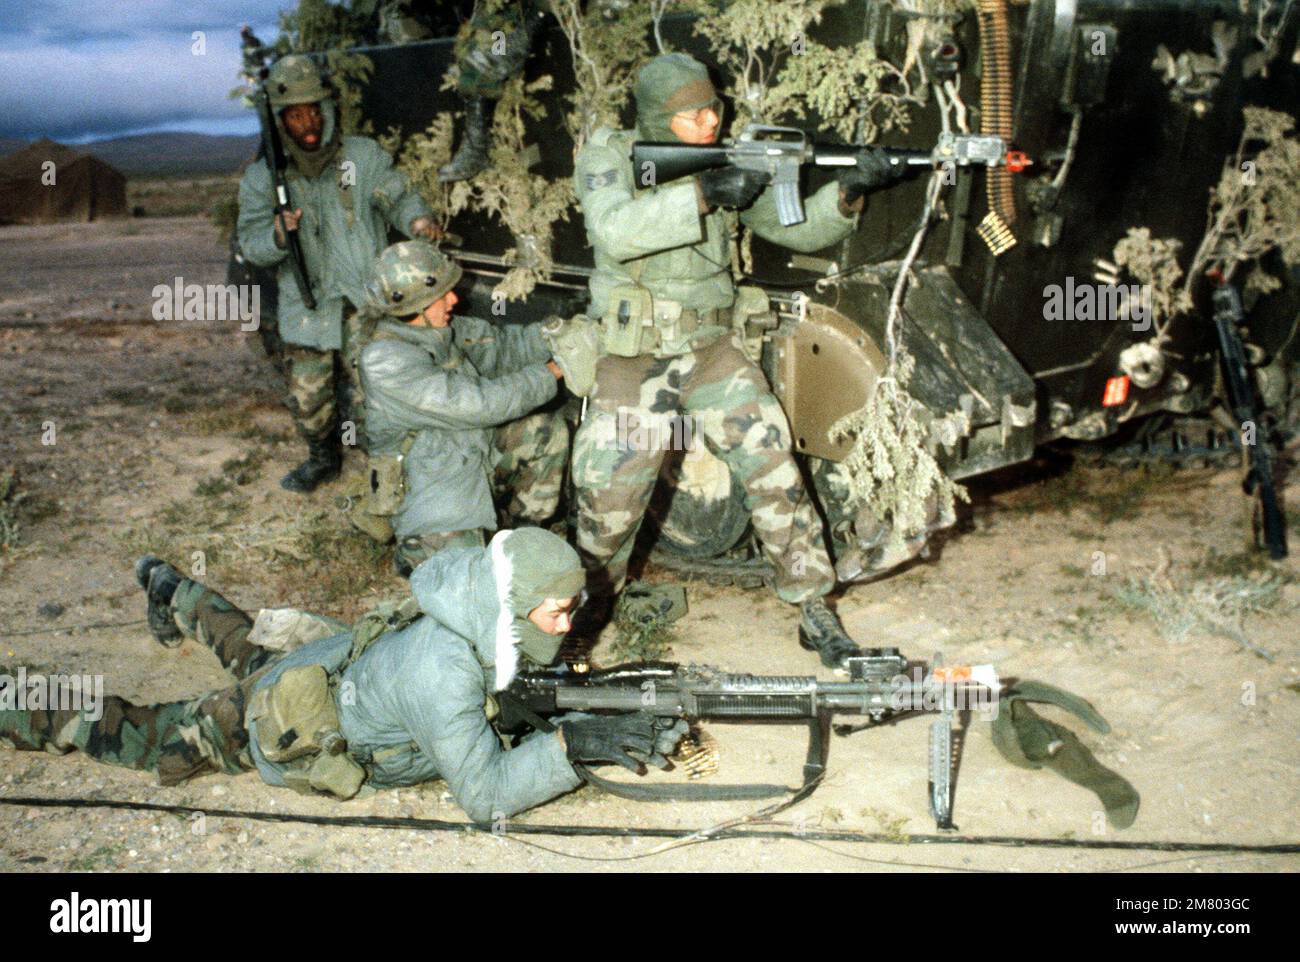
(1018, 314)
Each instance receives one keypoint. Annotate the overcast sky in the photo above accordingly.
(76, 70)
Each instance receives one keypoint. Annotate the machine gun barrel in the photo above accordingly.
(881, 683)
(705, 693)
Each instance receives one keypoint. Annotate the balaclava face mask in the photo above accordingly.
(310, 163)
(668, 84)
(530, 565)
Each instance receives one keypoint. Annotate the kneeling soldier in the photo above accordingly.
(447, 409)
(388, 708)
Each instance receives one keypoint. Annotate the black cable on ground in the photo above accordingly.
(603, 831)
(56, 629)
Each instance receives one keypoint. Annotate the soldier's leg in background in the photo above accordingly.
(412, 551)
(311, 402)
(351, 399)
(614, 474)
(737, 416)
(202, 614)
(492, 47)
(175, 739)
(528, 478)
(311, 390)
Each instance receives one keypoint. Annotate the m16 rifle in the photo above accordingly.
(882, 684)
(780, 152)
(1241, 398)
(276, 161)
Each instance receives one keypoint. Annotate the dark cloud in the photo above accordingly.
(73, 69)
(69, 22)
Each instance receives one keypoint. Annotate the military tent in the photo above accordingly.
(45, 182)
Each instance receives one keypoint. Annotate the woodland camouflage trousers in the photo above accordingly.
(314, 388)
(178, 740)
(724, 398)
(490, 49)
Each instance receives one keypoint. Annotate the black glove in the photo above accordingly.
(625, 739)
(668, 732)
(732, 187)
(872, 170)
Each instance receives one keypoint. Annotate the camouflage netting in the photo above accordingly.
(320, 25)
(312, 26)
(1253, 211)
(1154, 263)
(891, 469)
(527, 203)
(606, 51)
(780, 73)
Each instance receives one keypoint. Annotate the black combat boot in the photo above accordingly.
(160, 580)
(820, 631)
(472, 156)
(323, 464)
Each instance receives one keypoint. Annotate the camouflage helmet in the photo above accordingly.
(295, 79)
(409, 276)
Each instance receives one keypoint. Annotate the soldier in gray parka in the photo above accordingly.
(448, 402)
(413, 705)
(345, 194)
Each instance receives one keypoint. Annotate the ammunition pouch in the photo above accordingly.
(298, 724)
(623, 328)
(752, 318)
(638, 323)
(387, 477)
(372, 503)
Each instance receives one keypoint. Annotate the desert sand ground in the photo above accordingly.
(170, 437)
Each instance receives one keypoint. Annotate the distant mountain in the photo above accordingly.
(9, 144)
(173, 153)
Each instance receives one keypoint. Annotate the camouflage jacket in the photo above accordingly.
(678, 254)
(450, 386)
(417, 697)
(342, 231)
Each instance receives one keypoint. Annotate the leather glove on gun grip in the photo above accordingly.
(668, 732)
(1028, 740)
(872, 170)
(575, 346)
(732, 187)
(625, 739)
